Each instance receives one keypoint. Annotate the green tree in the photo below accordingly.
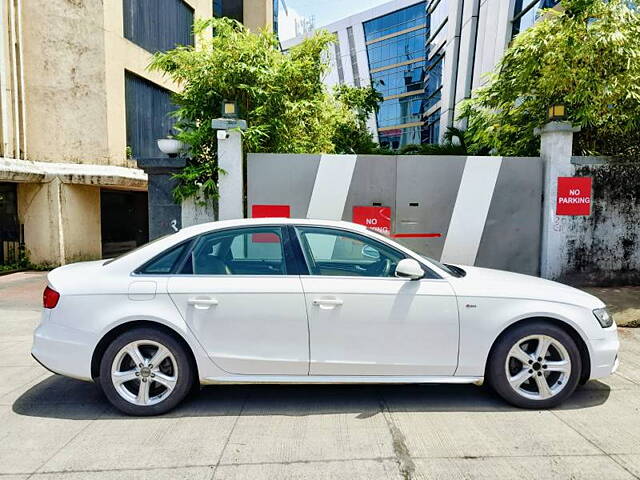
(355, 106)
(585, 55)
(281, 95)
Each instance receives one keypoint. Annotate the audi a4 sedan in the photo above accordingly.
(304, 301)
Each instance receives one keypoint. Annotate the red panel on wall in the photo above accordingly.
(268, 211)
(574, 196)
(265, 211)
(375, 218)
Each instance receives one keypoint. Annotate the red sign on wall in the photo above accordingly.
(268, 211)
(574, 196)
(375, 218)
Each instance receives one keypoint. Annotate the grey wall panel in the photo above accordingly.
(511, 236)
(281, 179)
(374, 181)
(432, 183)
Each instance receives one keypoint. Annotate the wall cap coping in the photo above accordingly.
(162, 162)
(553, 127)
(27, 171)
(589, 160)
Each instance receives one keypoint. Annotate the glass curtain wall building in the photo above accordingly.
(395, 46)
(424, 57)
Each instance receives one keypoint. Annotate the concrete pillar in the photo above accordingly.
(556, 146)
(61, 222)
(165, 216)
(230, 183)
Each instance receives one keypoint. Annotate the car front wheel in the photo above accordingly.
(535, 365)
(145, 372)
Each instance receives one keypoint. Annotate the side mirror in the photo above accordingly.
(409, 268)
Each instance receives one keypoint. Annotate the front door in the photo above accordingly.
(236, 293)
(365, 321)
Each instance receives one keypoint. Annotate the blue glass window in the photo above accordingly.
(397, 111)
(404, 82)
(431, 128)
(526, 13)
(395, 22)
(407, 46)
(433, 81)
(397, 80)
(399, 137)
(275, 16)
(439, 14)
(232, 9)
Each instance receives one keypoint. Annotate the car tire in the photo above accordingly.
(133, 384)
(516, 357)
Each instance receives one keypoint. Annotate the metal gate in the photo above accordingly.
(484, 211)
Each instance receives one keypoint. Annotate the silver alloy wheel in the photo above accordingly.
(144, 372)
(538, 367)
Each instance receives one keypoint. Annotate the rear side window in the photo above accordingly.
(166, 262)
(246, 251)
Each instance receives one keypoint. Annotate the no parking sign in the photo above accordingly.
(574, 196)
(375, 218)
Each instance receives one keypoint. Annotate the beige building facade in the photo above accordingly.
(69, 74)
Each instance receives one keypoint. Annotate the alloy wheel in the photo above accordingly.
(538, 367)
(144, 372)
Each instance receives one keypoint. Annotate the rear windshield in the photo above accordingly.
(136, 249)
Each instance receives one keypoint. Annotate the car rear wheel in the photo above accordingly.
(535, 365)
(145, 372)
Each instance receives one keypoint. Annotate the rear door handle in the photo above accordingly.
(202, 303)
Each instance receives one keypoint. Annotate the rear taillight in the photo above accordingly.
(50, 298)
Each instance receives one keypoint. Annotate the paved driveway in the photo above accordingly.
(52, 427)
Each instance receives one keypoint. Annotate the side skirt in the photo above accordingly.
(319, 379)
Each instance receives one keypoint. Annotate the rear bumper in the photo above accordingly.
(604, 354)
(62, 350)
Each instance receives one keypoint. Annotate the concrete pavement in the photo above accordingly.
(57, 428)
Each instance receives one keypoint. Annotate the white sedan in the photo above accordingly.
(304, 301)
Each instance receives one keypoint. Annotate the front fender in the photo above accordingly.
(482, 320)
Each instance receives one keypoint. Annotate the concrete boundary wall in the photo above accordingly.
(604, 247)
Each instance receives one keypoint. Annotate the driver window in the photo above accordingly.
(341, 253)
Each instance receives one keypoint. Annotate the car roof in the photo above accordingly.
(244, 222)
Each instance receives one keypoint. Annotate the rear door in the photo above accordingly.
(237, 292)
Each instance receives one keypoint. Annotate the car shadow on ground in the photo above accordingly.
(65, 398)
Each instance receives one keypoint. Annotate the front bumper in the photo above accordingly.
(61, 349)
(604, 353)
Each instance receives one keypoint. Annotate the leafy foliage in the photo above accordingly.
(355, 106)
(281, 95)
(586, 55)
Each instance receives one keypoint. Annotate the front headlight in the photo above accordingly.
(604, 317)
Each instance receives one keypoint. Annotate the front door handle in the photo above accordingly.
(327, 302)
(202, 303)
